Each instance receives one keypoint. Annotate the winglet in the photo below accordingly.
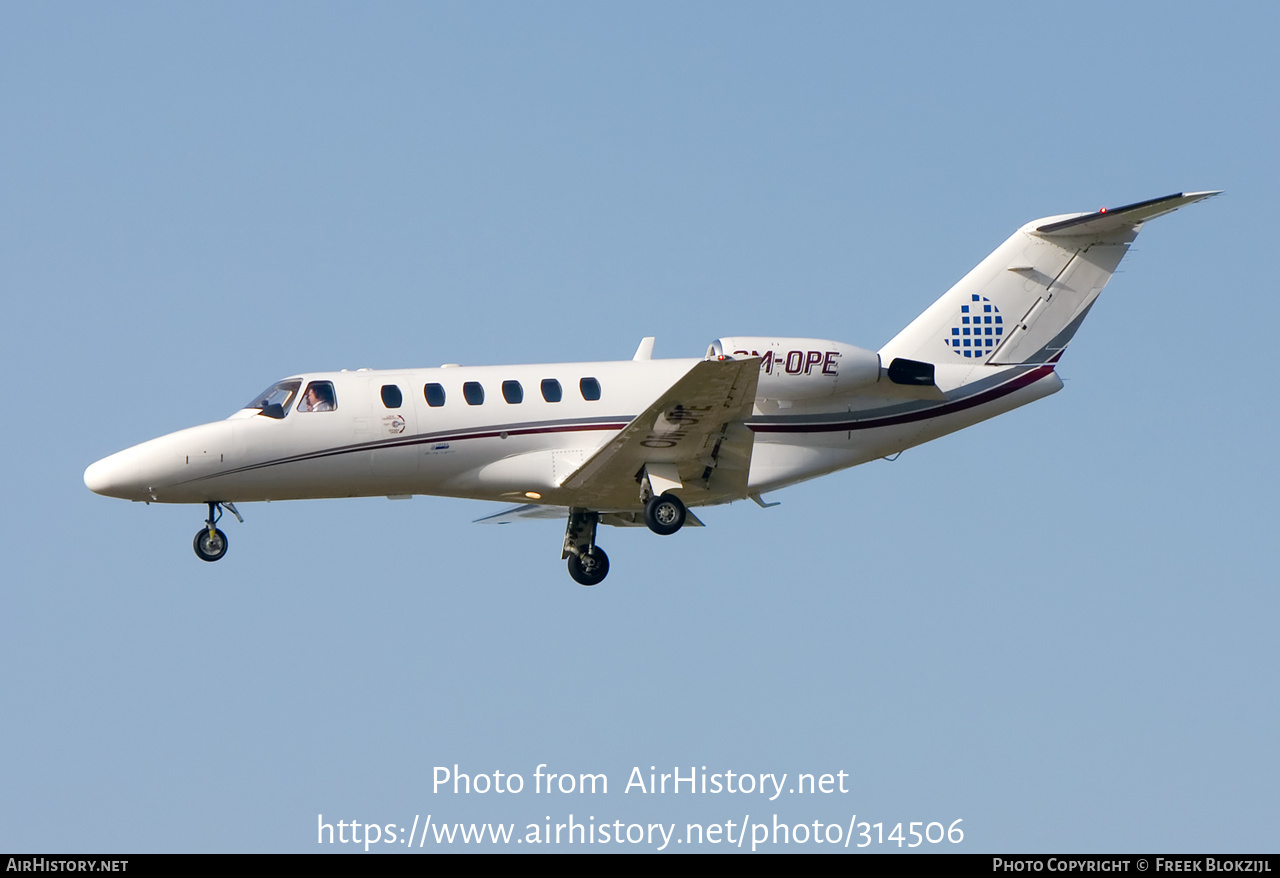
(645, 351)
(1126, 217)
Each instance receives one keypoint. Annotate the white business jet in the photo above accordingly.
(640, 442)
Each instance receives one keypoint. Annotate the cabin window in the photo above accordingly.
(473, 393)
(434, 394)
(512, 392)
(274, 401)
(590, 388)
(319, 398)
(391, 396)
(551, 390)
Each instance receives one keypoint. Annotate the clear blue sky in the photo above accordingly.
(198, 199)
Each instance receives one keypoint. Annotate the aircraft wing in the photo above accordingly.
(531, 512)
(691, 438)
(527, 512)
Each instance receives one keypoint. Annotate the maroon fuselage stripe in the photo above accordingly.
(1024, 380)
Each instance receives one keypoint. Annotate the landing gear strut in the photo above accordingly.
(588, 564)
(210, 543)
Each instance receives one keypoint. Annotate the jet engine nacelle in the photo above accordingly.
(802, 368)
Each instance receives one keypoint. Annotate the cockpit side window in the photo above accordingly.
(319, 397)
(275, 400)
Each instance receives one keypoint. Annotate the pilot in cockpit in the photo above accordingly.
(318, 398)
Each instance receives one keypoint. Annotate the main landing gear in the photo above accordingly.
(590, 567)
(664, 514)
(211, 543)
(588, 564)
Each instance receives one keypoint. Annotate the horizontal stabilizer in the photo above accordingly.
(1119, 219)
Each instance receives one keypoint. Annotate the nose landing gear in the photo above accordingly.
(210, 543)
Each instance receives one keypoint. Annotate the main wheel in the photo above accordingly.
(664, 514)
(210, 546)
(589, 568)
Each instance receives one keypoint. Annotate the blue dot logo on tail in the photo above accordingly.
(979, 330)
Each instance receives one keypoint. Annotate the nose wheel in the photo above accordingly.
(210, 543)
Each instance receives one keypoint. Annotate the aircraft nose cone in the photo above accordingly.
(112, 476)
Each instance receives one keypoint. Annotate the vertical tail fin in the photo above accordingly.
(1023, 303)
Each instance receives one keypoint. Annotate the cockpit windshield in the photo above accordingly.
(274, 401)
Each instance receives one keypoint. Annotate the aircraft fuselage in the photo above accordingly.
(500, 450)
